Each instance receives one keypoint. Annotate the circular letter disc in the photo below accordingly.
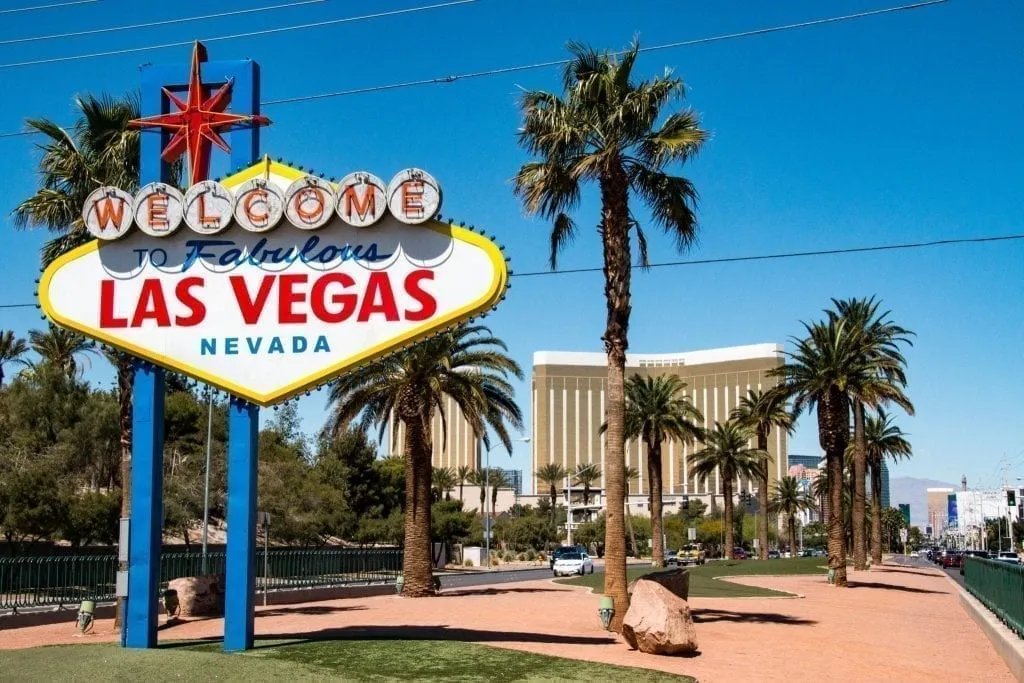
(107, 213)
(309, 203)
(158, 209)
(258, 206)
(208, 207)
(362, 199)
(414, 196)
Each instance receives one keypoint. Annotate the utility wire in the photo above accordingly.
(162, 22)
(50, 6)
(558, 62)
(756, 257)
(538, 65)
(247, 34)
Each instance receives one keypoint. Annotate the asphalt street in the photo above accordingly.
(480, 577)
(922, 562)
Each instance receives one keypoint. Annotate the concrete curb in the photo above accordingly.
(1009, 646)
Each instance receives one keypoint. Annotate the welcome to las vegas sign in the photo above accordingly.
(272, 281)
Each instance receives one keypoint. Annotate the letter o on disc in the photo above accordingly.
(309, 203)
(414, 196)
(158, 209)
(107, 213)
(208, 207)
(362, 199)
(258, 206)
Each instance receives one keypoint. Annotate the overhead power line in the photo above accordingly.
(247, 34)
(52, 5)
(440, 80)
(162, 22)
(754, 257)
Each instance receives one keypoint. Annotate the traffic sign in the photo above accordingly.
(903, 535)
(691, 533)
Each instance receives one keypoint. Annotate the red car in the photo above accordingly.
(739, 554)
(952, 558)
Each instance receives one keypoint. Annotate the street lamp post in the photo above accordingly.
(483, 484)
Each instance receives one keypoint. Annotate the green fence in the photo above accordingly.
(1000, 587)
(67, 580)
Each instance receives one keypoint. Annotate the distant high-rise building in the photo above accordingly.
(938, 509)
(515, 480)
(811, 462)
(885, 484)
(454, 443)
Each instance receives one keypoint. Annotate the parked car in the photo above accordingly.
(671, 558)
(561, 550)
(739, 553)
(692, 553)
(806, 552)
(573, 562)
(914, 553)
(773, 555)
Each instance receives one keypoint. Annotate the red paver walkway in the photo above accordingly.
(894, 624)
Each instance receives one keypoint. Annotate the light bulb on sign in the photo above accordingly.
(259, 206)
(309, 203)
(208, 207)
(158, 209)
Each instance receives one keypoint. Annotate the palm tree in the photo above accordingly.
(881, 439)
(462, 475)
(604, 130)
(882, 383)
(726, 450)
(585, 475)
(819, 374)
(657, 409)
(11, 350)
(61, 348)
(553, 475)
(480, 478)
(496, 479)
(442, 481)
(466, 364)
(761, 411)
(789, 500)
(629, 474)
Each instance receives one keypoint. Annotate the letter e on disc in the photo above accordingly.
(258, 206)
(362, 199)
(208, 207)
(158, 209)
(309, 203)
(414, 196)
(107, 213)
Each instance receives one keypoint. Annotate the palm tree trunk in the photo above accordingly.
(833, 433)
(615, 243)
(125, 382)
(416, 565)
(762, 498)
(629, 522)
(860, 554)
(727, 480)
(554, 500)
(876, 513)
(654, 477)
(792, 535)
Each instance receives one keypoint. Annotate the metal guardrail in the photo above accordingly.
(1000, 587)
(66, 580)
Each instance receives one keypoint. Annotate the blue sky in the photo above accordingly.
(897, 128)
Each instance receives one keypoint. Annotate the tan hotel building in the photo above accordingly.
(568, 409)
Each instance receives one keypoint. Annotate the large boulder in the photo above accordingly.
(658, 621)
(199, 596)
(676, 580)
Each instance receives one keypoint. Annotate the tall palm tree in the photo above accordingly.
(789, 500)
(442, 481)
(629, 474)
(762, 411)
(605, 130)
(883, 383)
(819, 374)
(658, 409)
(466, 364)
(585, 475)
(480, 478)
(11, 350)
(496, 479)
(882, 439)
(553, 475)
(462, 475)
(727, 450)
(61, 348)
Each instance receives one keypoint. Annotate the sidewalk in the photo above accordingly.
(892, 624)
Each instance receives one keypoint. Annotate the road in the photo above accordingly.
(483, 578)
(922, 562)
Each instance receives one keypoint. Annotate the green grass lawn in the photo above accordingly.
(344, 660)
(703, 583)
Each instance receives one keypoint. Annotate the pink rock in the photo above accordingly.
(199, 596)
(658, 621)
(676, 580)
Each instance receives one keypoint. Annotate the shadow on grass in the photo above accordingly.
(890, 587)
(707, 616)
(465, 592)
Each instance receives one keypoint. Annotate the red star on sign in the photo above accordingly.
(197, 120)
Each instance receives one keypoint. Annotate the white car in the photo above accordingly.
(573, 563)
(1008, 557)
(914, 553)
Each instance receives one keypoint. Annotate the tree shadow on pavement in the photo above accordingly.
(707, 616)
(311, 610)
(916, 572)
(467, 592)
(893, 587)
(417, 632)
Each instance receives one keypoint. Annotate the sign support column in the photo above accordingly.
(240, 569)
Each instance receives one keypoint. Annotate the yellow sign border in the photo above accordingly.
(499, 282)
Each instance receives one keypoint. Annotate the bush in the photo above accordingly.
(467, 563)
(494, 561)
(531, 555)
(521, 557)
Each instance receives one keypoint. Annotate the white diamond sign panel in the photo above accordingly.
(269, 314)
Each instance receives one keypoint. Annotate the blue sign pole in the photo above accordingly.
(240, 569)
